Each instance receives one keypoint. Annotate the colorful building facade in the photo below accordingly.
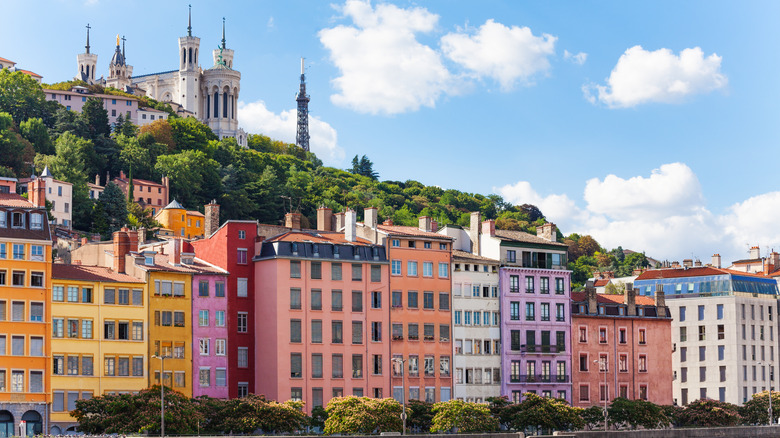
(621, 347)
(181, 222)
(99, 338)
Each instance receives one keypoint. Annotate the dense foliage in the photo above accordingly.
(462, 417)
(362, 415)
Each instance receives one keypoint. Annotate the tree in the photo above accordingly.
(363, 166)
(420, 415)
(139, 157)
(139, 217)
(636, 413)
(114, 205)
(190, 134)
(756, 410)
(100, 220)
(95, 118)
(21, 96)
(462, 416)
(593, 417)
(194, 177)
(362, 415)
(545, 413)
(15, 151)
(36, 132)
(709, 413)
(69, 163)
(500, 409)
(160, 132)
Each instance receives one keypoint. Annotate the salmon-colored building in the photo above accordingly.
(147, 194)
(624, 340)
(420, 311)
(322, 320)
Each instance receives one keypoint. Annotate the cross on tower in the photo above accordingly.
(123, 45)
(87, 46)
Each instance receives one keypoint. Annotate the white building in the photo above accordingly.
(723, 331)
(148, 115)
(477, 358)
(60, 194)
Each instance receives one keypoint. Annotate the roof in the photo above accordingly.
(174, 205)
(154, 74)
(15, 201)
(152, 110)
(601, 282)
(703, 271)
(195, 213)
(28, 72)
(206, 267)
(90, 273)
(519, 236)
(46, 172)
(641, 300)
(88, 95)
(400, 230)
(161, 263)
(746, 261)
(317, 237)
(137, 181)
(7, 60)
(463, 255)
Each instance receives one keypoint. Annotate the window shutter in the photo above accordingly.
(72, 397)
(109, 296)
(138, 297)
(59, 402)
(36, 346)
(17, 311)
(36, 381)
(86, 365)
(17, 346)
(3, 315)
(36, 312)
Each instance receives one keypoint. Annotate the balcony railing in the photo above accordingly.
(552, 349)
(539, 378)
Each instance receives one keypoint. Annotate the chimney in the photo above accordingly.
(773, 262)
(132, 240)
(489, 227)
(547, 232)
(37, 192)
(424, 223)
(167, 190)
(121, 247)
(590, 295)
(324, 219)
(293, 221)
(141, 237)
(388, 222)
(716, 261)
(176, 253)
(370, 217)
(660, 300)
(121, 174)
(687, 263)
(339, 221)
(211, 211)
(755, 253)
(474, 232)
(697, 263)
(97, 179)
(630, 299)
(259, 244)
(350, 225)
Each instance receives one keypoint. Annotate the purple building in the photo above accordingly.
(534, 290)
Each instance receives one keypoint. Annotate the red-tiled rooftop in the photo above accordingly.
(410, 231)
(519, 236)
(62, 271)
(28, 72)
(463, 255)
(317, 237)
(601, 282)
(161, 264)
(7, 60)
(641, 300)
(15, 201)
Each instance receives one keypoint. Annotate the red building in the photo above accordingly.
(231, 247)
(623, 340)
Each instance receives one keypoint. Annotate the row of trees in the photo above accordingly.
(140, 413)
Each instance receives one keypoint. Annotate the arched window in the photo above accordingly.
(208, 105)
(34, 423)
(224, 104)
(196, 55)
(190, 55)
(88, 72)
(6, 424)
(183, 56)
(82, 68)
(216, 104)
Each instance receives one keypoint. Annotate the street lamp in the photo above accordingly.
(606, 392)
(771, 375)
(402, 361)
(162, 392)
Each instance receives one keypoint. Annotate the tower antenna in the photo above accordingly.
(302, 137)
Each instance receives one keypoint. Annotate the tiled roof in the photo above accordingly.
(145, 182)
(194, 213)
(205, 267)
(519, 236)
(7, 60)
(601, 282)
(463, 255)
(641, 300)
(746, 261)
(89, 273)
(703, 271)
(14, 200)
(400, 230)
(317, 236)
(161, 263)
(28, 72)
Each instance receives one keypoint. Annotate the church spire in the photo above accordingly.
(87, 46)
(302, 137)
(123, 46)
(189, 22)
(223, 33)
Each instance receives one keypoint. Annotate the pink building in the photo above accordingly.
(76, 97)
(621, 347)
(322, 320)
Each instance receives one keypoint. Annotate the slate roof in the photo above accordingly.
(11, 202)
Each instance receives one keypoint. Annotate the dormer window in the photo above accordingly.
(375, 253)
(186, 261)
(36, 221)
(356, 252)
(149, 260)
(336, 252)
(315, 247)
(17, 220)
(3, 223)
(294, 247)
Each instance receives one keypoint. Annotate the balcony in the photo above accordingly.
(542, 349)
(539, 378)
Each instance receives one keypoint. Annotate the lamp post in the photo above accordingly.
(771, 375)
(162, 393)
(402, 361)
(606, 392)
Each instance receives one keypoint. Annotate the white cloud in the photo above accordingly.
(384, 68)
(505, 54)
(660, 76)
(270, 25)
(578, 59)
(257, 119)
(663, 214)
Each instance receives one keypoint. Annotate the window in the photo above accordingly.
(642, 363)
(530, 314)
(544, 285)
(337, 332)
(428, 300)
(316, 299)
(204, 345)
(357, 301)
(357, 272)
(682, 313)
(335, 271)
(242, 322)
(357, 366)
(642, 337)
(411, 301)
(376, 300)
(295, 330)
(701, 313)
(559, 286)
(243, 357)
(428, 330)
(203, 288)
(411, 268)
(722, 331)
(444, 333)
(412, 332)
(219, 289)
(427, 269)
(511, 256)
(545, 309)
(376, 273)
(295, 269)
(720, 311)
(396, 267)
(336, 300)
(397, 298)
(514, 283)
(529, 285)
(219, 318)
(203, 318)
(357, 332)
(316, 365)
(316, 270)
(18, 253)
(702, 333)
(241, 287)
(36, 252)
(337, 366)
(396, 242)
(316, 331)
(444, 270)
(295, 298)
(296, 365)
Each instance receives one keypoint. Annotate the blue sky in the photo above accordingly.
(647, 124)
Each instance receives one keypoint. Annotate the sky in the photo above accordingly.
(646, 124)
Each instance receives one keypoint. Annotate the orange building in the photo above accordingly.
(25, 312)
(180, 222)
(420, 312)
(623, 340)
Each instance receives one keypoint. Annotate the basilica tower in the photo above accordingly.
(87, 62)
(119, 72)
(189, 70)
(220, 86)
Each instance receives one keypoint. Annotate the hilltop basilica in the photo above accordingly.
(209, 95)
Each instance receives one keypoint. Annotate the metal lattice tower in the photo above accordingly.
(302, 138)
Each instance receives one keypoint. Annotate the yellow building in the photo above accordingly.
(181, 222)
(99, 338)
(25, 281)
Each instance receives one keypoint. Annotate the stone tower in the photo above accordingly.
(302, 136)
(189, 69)
(220, 85)
(119, 72)
(87, 62)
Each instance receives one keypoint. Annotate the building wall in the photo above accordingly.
(154, 196)
(60, 194)
(69, 385)
(114, 105)
(439, 348)
(14, 399)
(183, 223)
(222, 250)
(514, 384)
(468, 363)
(273, 330)
(212, 332)
(652, 382)
(173, 337)
(147, 116)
